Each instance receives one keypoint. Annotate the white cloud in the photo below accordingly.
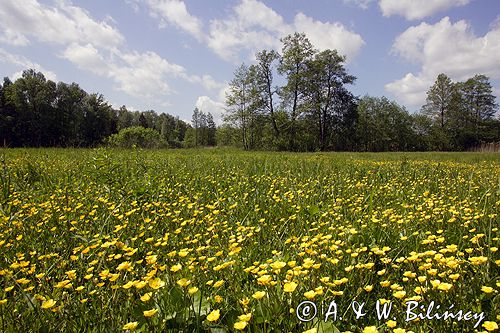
(175, 12)
(253, 26)
(206, 104)
(143, 74)
(360, 3)
(417, 9)
(207, 81)
(61, 24)
(445, 47)
(329, 35)
(12, 37)
(24, 63)
(411, 89)
(86, 57)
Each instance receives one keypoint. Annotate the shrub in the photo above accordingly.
(135, 136)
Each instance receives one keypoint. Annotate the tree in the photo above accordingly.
(196, 121)
(327, 99)
(296, 53)
(211, 130)
(99, 119)
(242, 102)
(125, 118)
(479, 101)
(142, 120)
(7, 116)
(383, 125)
(264, 80)
(439, 99)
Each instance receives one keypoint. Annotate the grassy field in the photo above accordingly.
(222, 240)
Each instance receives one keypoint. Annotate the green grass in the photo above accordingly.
(87, 236)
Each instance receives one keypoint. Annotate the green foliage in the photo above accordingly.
(95, 239)
(38, 112)
(135, 137)
(203, 132)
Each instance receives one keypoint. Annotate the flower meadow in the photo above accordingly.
(228, 241)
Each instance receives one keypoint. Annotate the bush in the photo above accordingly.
(135, 137)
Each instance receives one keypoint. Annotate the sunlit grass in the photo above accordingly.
(222, 240)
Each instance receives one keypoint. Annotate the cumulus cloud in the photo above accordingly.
(175, 12)
(86, 57)
(216, 108)
(143, 75)
(417, 9)
(364, 4)
(61, 24)
(253, 26)
(12, 37)
(329, 35)
(444, 47)
(24, 63)
(97, 47)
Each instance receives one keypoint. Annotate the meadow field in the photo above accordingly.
(218, 240)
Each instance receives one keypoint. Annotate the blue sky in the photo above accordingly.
(172, 56)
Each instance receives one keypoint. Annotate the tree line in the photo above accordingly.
(297, 99)
(36, 112)
(312, 109)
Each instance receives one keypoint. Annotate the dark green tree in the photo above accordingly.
(325, 93)
(296, 53)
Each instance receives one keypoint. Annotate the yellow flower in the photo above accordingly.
(150, 313)
(490, 326)
(3, 301)
(264, 279)
(259, 294)
(444, 286)
(146, 297)
(214, 315)
(368, 288)
(487, 290)
(289, 287)
(140, 284)
(385, 283)
(192, 290)
(176, 268)
(245, 317)
(218, 284)
(399, 330)
(129, 284)
(23, 281)
(130, 326)
(399, 294)
(391, 323)
(156, 283)
(124, 266)
(71, 274)
(310, 294)
(370, 329)
(48, 304)
(63, 284)
(183, 282)
(240, 325)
